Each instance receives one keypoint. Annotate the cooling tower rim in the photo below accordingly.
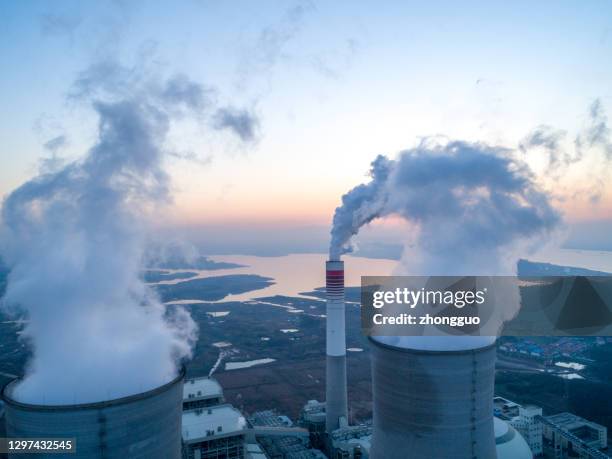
(4, 395)
(430, 352)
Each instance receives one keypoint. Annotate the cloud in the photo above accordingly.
(59, 24)
(333, 63)
(593, 138)
(269, 46)
(193, 95)
(243, 123)
(53, 146)
(597, 132)
(56, 143)
(550, 140)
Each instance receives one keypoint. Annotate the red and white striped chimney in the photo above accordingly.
(335, 389)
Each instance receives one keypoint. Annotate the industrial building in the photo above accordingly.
(351, 442)
(566, 434)
(213, 432)
(355, 442)
(140, 426)
(280, 439)
(525, 419)
(312, 417)
(201, 393)
(509, 444)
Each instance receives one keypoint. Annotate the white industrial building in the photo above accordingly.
(525, 419)
(201, 393)
(216, 431)
(568, 432)
(509, 444)
(354, 442)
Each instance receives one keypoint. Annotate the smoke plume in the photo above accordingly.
(74, 241)
(470, 205)
(473, 209)
(597, 132)
(241, 122)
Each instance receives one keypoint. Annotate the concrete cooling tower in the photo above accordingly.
(432, 404)
(141, 426)
(335, 387)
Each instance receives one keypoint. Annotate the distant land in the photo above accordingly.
(153, 276)
(351, 294)
(212, 288)
(527, 268)
(200, 262)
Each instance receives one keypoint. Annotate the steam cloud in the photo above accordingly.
(74, 240)
(471, 204)
(596, 134)
(473, 208)
(243, 123)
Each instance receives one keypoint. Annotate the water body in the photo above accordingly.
(247, 364)
(571, 376)
(297, 273)
(292, 274)
(218, 313)
(571, 365)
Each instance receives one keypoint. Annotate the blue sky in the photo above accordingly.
(333, 84)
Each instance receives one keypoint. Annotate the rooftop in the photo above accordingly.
(570, 422)
(201, 388)
(505, 409)
(254, 451)
(220, 420)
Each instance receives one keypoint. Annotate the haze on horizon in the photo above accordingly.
(332, 85)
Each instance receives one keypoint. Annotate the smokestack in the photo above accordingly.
(335, 387)
(431, 404)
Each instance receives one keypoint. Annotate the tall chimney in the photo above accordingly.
(335, 387)
(432, 404)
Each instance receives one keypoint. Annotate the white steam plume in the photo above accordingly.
(74, 241)
(473, 208)
(471, 203)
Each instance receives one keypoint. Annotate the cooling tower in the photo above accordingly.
(142, 426)
(335, 387)
(432, 404)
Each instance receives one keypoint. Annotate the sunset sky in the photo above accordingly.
(333, 84)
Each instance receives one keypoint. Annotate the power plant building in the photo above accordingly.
(509, 444)
(213, 432)
(201, 393)
(312, 417)
(525, 419)
(279, 438)
(351, 442)
(566, 432)
(140, 426)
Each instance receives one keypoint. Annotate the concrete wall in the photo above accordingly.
(142, 426)
(430, 404)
